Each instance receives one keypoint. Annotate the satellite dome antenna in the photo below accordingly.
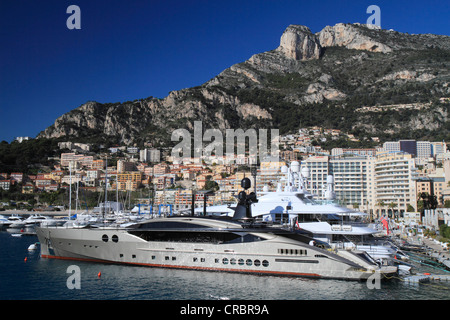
(243, 209)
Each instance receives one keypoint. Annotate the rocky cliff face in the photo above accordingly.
(349, 36)
(310, 79)
(298, 43)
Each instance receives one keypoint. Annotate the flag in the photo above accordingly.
(385, 224)
(297, 226)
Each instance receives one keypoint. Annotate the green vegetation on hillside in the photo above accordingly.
(27, 156)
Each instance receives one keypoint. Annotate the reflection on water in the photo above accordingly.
(46, 279)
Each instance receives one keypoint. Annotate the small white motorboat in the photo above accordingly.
(33, 246)
(13, 221)
(16, 234)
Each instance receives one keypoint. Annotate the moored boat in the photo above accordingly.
(237, 244)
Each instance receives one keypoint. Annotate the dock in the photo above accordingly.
(432, 249)
(425, 278)
(437, 252)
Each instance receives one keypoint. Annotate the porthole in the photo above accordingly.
(265, 263)
(241, 262)
(115, 238)
(257, 263)
(233, 261)
(248, 262)
(105, 238)
(225, 260)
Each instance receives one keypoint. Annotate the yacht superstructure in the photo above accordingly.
(325, 221)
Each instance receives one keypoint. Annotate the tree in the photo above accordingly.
(447, 204)
(381, 204)
(444, 231)
(392, 206)
(211, 185)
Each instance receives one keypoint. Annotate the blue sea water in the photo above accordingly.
(36, 278)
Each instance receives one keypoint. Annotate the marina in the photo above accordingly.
(275, 234)
(45, 279)
(217, 243)
(28, 275)
(218, 158)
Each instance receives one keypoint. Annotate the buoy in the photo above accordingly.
(26, 258)
(427, 274)
(99, 274)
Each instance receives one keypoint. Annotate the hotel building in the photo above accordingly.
(395, 182)
(382, 184)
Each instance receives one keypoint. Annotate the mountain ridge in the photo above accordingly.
(309, 79)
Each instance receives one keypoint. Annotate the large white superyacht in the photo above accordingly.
(326, 221)
(233, 244)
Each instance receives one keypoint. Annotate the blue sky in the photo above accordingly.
(128, 50)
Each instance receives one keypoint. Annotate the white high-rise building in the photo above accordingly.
(352, 178)
(149, 155)
(391, 146)
(381, 184)
(394, 179)
(424, 149)
(438, 148)
(353, 181)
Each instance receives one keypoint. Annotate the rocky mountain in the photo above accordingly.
(353, 77)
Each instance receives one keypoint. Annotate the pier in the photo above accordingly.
(431, 248)
(437, 252)
(425, 278)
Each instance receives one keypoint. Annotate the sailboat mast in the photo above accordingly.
(106, 186)
(70, 188)
(76, 199)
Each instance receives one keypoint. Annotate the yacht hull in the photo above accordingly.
(276, 255)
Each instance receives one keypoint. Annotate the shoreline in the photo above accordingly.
(27, 213)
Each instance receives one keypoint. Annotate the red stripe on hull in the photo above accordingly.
(189, 267)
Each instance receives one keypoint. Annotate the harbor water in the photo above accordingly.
(27, 276)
